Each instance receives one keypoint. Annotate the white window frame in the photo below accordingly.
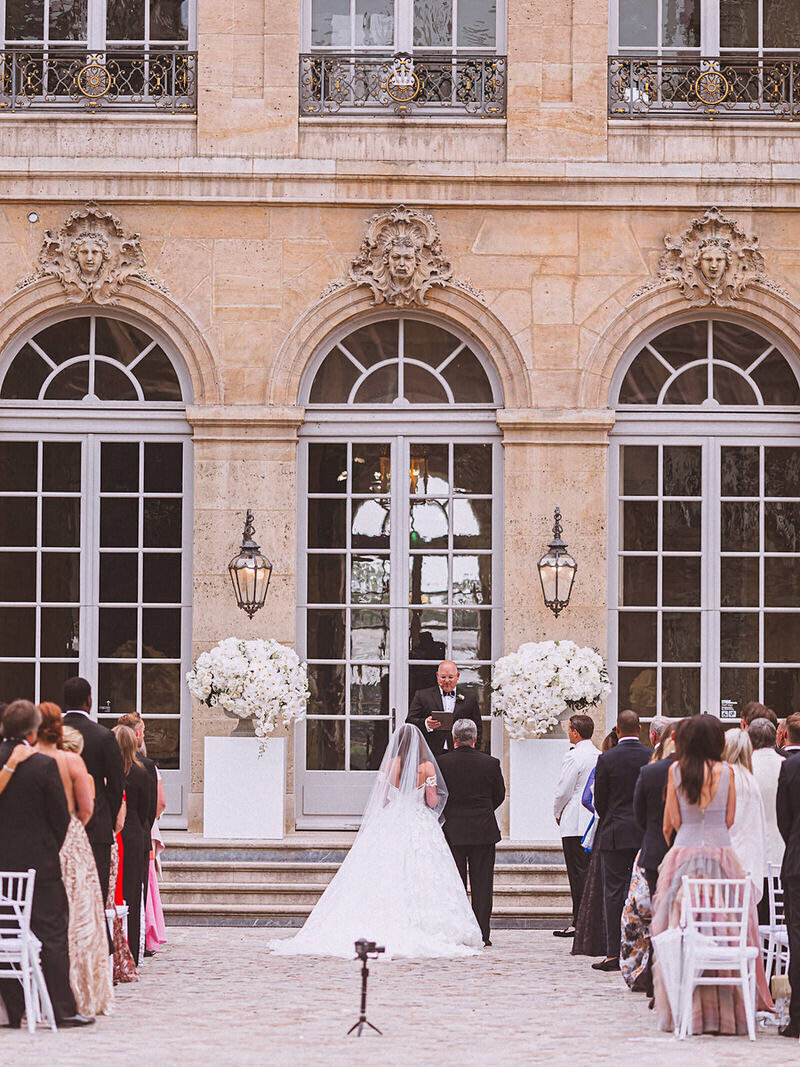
(711, 428)
(91, 423)
(96, 31)
(709, 35)
(403, 33)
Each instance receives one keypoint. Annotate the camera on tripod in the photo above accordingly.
(365, 949)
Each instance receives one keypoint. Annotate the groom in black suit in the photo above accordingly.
(443, 696)
(475, 789)
(104, 762)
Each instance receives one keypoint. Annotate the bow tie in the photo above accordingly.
(446, 696)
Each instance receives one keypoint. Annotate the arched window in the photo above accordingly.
(95, 525)
(705, 602)
(399, 513)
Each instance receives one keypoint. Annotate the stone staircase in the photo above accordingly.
(276, 883)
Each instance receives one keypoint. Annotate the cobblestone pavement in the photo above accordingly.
(215, 996)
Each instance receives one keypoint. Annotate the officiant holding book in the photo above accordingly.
(434, 710)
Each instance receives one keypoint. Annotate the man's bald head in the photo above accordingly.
(447, 676)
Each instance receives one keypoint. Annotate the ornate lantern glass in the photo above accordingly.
(250, 572)
(557, 571)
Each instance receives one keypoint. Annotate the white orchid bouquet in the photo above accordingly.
(260, 680)
(534, 686)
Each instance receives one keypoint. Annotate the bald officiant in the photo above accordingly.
(434, 710)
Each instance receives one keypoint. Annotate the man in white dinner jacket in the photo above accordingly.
(571, 816)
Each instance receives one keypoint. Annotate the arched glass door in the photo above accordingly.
(400, 546)
(706, 524)
(95, 529)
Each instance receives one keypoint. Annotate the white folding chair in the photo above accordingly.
(20, 949)
(715, 916)
(775, 937)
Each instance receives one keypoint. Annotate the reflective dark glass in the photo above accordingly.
(119, 339)
(157, 376)
(467, 379)
(25, 377)
(117, 633)
(472, 635)
(739, 684)
(740, 471)
(163, 518)
(732, 388)
(472, 579)
(644, 380)
(782, 690)
(683, 470)
(690, 387)
(325, 634)
(782, 472)
(327, 579)
(421, 387)
(333, 381)
(369, 633)
(781, 527)
(428, 639)
(61, 572)
(327, 523)
(781, 637)
(682, 525)
(17, 633)
(740, 526)
(429, 470)
(472, 469)
(163, 739)
(369, 579)
(61, 521)
(119, 577)
(161, 582)
(327, 468)
(325, 745)
(685, 343)
(428, 343)
(680, 691)
(18, 465)
(52, 677)
(17, 681)
(368, 741)
(636, 689)
(71, 383)
(163, 467)
(161, 688)
(739, 581)
(369, 690)
(326, 685)
(61, 472)
(379, 388)
(18, 520)
(680, 636)
(735, 344)
(639, 525)
(373, 343)
(639, 470)
(116, 684)
(371, 468)
(65, 339)
(782, 582)
(777, 382)
(680, 581)
(18, 576)
(60, 633)
(119, 522)
(637, 636)
(738, 637)
(472, 523)
(639, 581)
(110, 383)
(119, 467)
(161, 633)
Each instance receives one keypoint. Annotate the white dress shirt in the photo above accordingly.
(576, 767)
(766, 768)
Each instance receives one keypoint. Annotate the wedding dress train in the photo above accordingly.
(399, 885)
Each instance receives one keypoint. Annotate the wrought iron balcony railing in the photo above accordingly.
(723, 86)
(123, 79)
(469, 84)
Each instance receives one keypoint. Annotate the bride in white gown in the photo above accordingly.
(398, 885)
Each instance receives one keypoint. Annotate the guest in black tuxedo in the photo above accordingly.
(619, 835)
(102, 759)
(475, 789)
(787, 804)
(33, 823)
(443, 697)
(135, 832)
(649, 798)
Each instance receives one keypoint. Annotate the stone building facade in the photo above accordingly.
(573, 249)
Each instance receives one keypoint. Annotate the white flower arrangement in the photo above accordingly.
(260, 680)
(534, 686)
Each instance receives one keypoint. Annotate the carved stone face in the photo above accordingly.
(402, 261)
(89, 254)
(713, 263)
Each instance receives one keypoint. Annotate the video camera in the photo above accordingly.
(365, 949)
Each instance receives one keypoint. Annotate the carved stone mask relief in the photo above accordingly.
(92, 256)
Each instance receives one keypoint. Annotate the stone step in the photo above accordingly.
(251, 915)
(292, 895)
(227, 872)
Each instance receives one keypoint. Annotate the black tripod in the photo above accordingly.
(362, 1021)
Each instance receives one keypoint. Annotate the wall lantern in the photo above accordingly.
(250, 572)
(557, 570)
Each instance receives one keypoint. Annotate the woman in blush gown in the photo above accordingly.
(700, 806)
(399, 885)
(89, 974)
